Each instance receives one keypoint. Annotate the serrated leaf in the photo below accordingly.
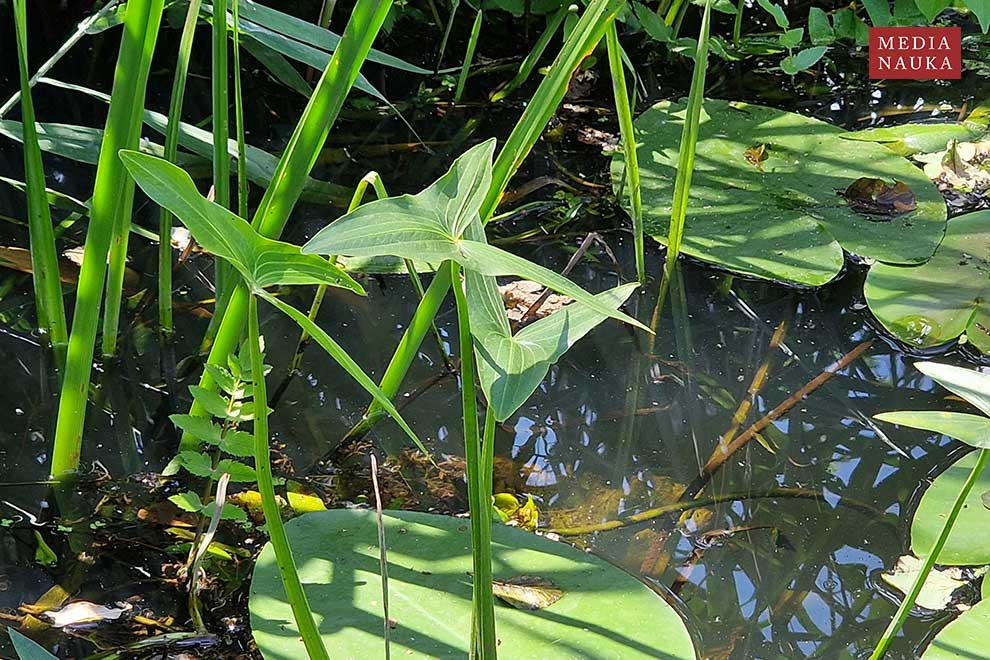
(229, 512)
(239, 472)
(791, 38)
(779, 17)
(238, 443)
(195, 463)
(819, 27)
(261, 261)
(187, 501)
(653, 24)
(201, 428)
(212, 402)
(224, 379)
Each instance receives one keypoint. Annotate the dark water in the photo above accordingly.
(612, 431)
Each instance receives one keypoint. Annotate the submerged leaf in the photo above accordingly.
(527, 592)
(969, 541)
(940, 585)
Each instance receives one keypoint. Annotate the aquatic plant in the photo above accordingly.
(950, 525)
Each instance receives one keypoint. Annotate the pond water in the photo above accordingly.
(616, 427)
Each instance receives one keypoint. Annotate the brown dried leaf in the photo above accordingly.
(872, 196)
(527, 592)
(756, 155)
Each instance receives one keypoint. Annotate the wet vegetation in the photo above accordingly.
(520, 328)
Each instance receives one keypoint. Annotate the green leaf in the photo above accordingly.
(879, 12)
(791, 38)
(974, 430)
(511, 367)
(970, 384)
(432, 225)
(28, 649)
(966, 637)
(225, 379)
(653, 24)
(779, 16)
(783, 219)
(427, 225)
(802, 60)
(239, 472)
(212, 402)
(980, 9)
(910, 139)
(931, 8)
(968, 543)
(819, 27)
(237, 443)
(262, 261)
(195, 463)
(187, 501)
(229, 512)
(283, 70)
(201, 428)
(937, 302)
(844, 21)
(604, 611)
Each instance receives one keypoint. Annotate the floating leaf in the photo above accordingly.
(969, 541)
(784, 222)
(963, 639)
(605, 612)
(940, 585)
(873, 196)
(938, 301)
(974, 430)
(527, 592)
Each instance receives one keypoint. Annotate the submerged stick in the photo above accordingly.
(686, 505)
(722, 455)
(382, 552)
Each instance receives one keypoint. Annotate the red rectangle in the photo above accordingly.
(916, 53)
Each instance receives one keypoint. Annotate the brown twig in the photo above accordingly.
(571, 263)
(724, 452)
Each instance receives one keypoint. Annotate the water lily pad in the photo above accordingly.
(963, 639)
(969, 542)
(938, 301)
(603, 612)
(766, 195)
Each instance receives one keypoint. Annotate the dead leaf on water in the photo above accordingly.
(937, 592)
(82, 612)
(527, 592)
(756, 155)
(872, 196)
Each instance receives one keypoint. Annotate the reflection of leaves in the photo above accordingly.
(872, 196)
(527, 592)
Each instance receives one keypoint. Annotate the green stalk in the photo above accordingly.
(308, 629)
(171, 150)
(468, 56)
(112, 184)
(673, 12)
(624, 111)
(533, 57)
(583, 39)
(737, 24)
(221, 133)
(298, 159)
(242, 181)
(930, 559)
(689, 142)
(44, 257)
(483, 642)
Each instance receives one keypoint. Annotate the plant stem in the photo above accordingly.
(305, 623)
(221, 134)
(242, 181)
(298, 159)
(689, 141)
(44, 256)
(111, 190)
(468, 56)
(533, 57)
(479, 502)
(624, 111)
(171, 149)
(930, 559)
(737, 23)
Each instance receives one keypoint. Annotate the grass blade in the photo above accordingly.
(171, 149)
(689, 141)
(109, 219)
(301, 611)
(919, 581)
(624, 111)
(242, 182)
(468, 56)
(221, 133)
(531, 59)
(44, 257)
(292, 172)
